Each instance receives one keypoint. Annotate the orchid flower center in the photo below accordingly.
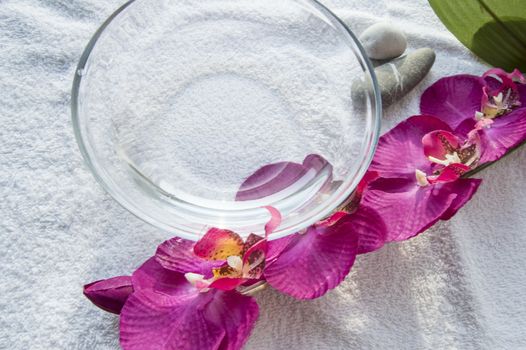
(421, 178)
(504, 99)
(466, 153)
(450, 156)
(499, 104)
(198, 281)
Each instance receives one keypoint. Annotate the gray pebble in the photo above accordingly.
(397, 77)
(383, 41)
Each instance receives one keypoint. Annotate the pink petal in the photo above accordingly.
(227, 283)
(465, 189)
(453, 99)
(314, 262)
(369, 177)
(503, 134)
(399, 152)
(177, 254)
(450, 173)
(517, 76)
(111, 294)
(354, 200)
(255, 258)
(276, 177)
(276, 247)
(438, 143)
(370, 228)
(275, 220)
(218, 244)
(521, 90)
(406, 208)
(178, 316)
(153, 276)
(506, 79)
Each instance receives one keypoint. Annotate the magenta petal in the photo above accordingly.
(227, 283)
(506, 79)
(453, 99)
(506, 132)
(438, 143)
(399, 151)
(177, 254)
(218, 244)
(111, 294)
(521, 89)
(406, 208)
(275, 177)
(465, 189)
(370, 228)
(274, 222)
(167, 312)
(450, 173)
(152, 276)
(276, 247)
(179, 323)
(237, 314)
(315, 261)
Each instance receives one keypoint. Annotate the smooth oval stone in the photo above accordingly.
(397, 77)
(383, 41)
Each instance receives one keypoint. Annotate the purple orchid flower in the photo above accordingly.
(308, 264)
(185, 297)
(494, 106)
(111, 294)
(420, 162)
(165, 311)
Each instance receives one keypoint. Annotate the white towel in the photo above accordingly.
(460, 285)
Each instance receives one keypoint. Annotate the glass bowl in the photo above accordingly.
(176, 104)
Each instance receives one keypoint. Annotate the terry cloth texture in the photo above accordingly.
(460, 285)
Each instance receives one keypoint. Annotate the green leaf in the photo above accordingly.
(494, 30)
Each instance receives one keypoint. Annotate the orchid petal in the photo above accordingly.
(276, 247)
(399, 151)
(218, 244)
(275, 220)
(506, 79)
(314, 262)
(370, 228)
(503, 134)
(516, 75)
(465, 189)
(406, 208)
(521, 90)
(177, 254)
(110, 294)
(276, 177)
(353, 202)
(227, 283)
(254, 259)
(453, 99)
(450, 173)
(438, 143)
(154, 277)
(179, 316)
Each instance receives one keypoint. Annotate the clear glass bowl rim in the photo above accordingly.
(331, 204)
